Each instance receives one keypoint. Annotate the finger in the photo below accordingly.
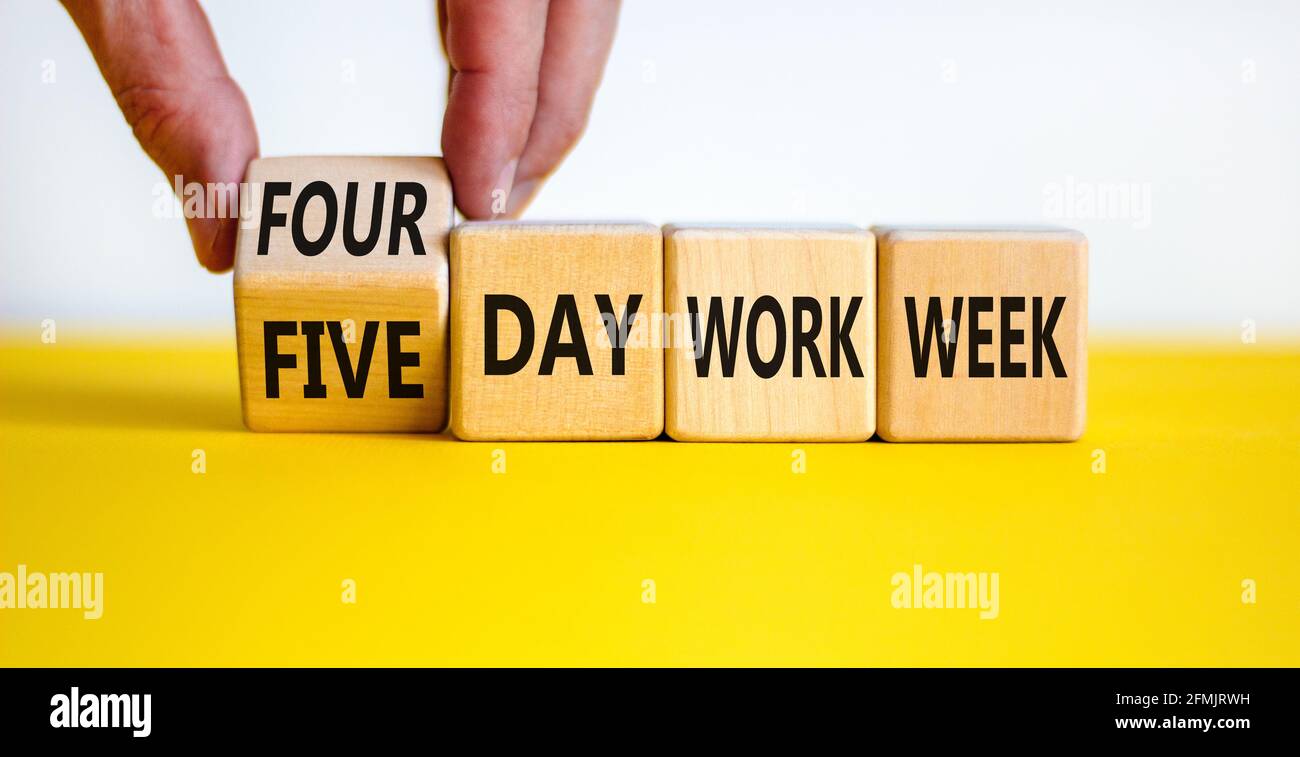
(494, 48)
(160, 59)
(579, 34)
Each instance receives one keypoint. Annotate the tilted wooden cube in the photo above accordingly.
(983, 334)
(341, 294)
(554, 331)
(772, 333)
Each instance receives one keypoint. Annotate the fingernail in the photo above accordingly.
(502, 189)
(521, 195)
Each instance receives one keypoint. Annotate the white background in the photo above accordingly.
(864, 112)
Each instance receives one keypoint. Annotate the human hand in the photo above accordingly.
(523, 76)
(162, 64)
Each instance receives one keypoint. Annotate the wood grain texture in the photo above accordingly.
(985, 263)
(537, 263)
(729, 262)
(335, 285)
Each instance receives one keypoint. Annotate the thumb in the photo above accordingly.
(161, 62)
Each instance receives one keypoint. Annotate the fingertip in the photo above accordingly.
(495, 52)
(214, 242)
(481, 145)
(521, 196)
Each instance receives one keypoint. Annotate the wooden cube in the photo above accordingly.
(772, 333)
(341, 294)
(983, 334)
(554, 331)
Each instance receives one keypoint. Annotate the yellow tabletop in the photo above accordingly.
(1170, 535)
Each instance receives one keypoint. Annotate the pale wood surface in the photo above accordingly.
(537, 262)
(948, 263)
(285, 285)
(784, 262)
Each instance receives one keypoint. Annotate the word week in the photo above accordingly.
(1042, 339)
